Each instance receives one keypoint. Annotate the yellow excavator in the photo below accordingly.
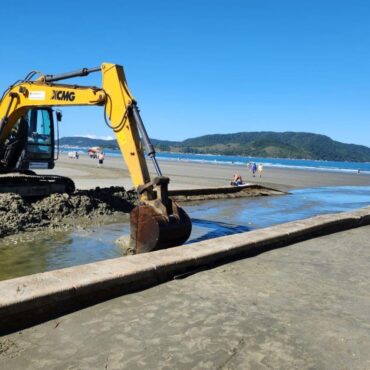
(27, 140)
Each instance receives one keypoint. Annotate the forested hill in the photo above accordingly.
(298, 145)
(85, 142)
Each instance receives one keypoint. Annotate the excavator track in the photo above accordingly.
(30, 185)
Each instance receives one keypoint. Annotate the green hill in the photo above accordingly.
(82, 142)
(298, 145)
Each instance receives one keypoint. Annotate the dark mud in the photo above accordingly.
(65, 211)
(59, 211)
(229, 192)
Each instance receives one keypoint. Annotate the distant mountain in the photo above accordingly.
(299, 145)
(80, 141)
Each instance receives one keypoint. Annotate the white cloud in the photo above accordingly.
(96, 137)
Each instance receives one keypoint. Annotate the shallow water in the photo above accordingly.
(254, 213)
(29, 253)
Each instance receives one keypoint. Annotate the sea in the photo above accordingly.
(303, 164)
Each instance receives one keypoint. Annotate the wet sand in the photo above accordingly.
(186, 175)
(299, 307)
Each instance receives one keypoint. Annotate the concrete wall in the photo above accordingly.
(31, 299)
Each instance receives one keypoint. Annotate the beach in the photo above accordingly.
(93, 220)
(189, 175)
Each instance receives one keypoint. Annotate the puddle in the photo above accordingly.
(29, 253)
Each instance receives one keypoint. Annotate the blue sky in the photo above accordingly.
(204, 67)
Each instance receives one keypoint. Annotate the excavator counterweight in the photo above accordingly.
(27, 140)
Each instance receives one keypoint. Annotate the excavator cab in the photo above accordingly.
(40, 138)
(39, 151)
(31, 143)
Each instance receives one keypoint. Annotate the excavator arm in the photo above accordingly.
(156, 222)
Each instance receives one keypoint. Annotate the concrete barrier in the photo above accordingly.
(32, 299)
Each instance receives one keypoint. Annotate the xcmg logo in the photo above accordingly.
(63, 95)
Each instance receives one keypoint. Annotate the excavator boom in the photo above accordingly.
(157, 222)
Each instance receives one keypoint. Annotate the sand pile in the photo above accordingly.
(57, 210)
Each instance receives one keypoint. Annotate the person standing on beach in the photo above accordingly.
(260, 169)
(254, 169)
(100, 159)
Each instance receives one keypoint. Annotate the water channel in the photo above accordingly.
(30, 253)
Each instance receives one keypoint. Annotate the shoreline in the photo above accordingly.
(191, 175)
(263, 160)
(267, 164)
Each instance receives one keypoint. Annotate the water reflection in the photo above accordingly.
(29, 253)
(207, 229)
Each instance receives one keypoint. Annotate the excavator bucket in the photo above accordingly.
(157, 223)
(152, 230)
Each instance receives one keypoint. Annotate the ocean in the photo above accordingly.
(240, 160)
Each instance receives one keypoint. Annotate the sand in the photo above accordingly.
(187, 175)
(57, 211)
(304, 306)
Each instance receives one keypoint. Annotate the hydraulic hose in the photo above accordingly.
(148, 146)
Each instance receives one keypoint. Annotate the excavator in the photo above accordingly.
(29, 122)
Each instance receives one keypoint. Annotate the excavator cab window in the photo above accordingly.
(40, 138)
